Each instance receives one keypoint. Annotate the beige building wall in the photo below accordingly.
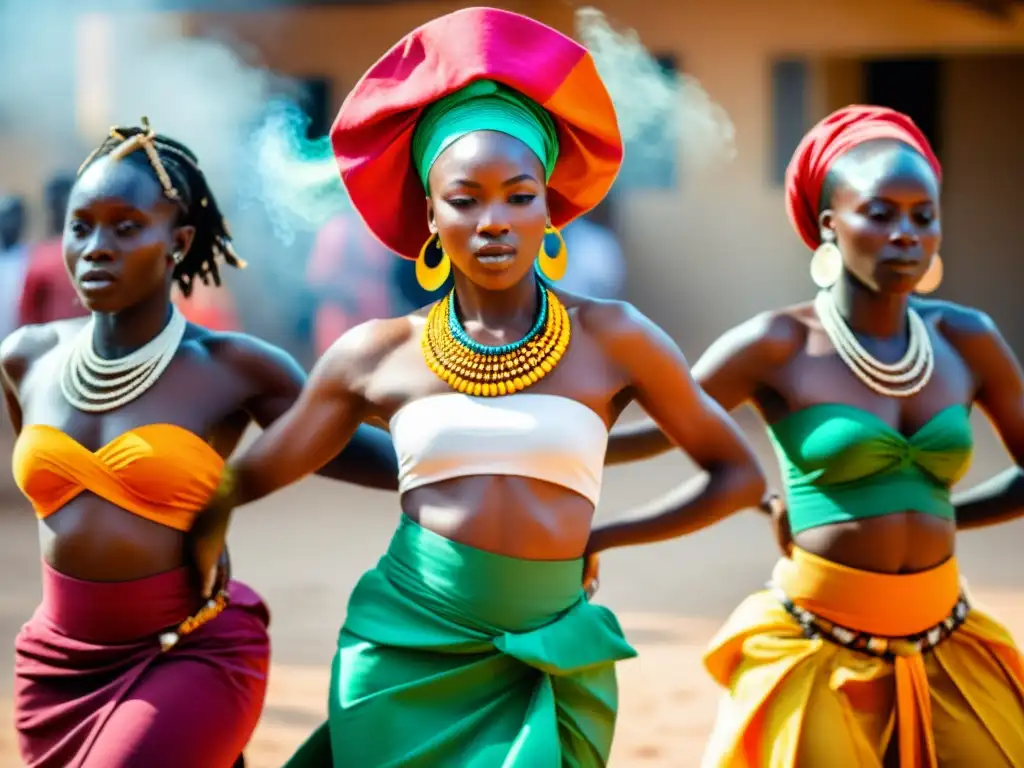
(726, 235)
(723, 234)
(983, 204)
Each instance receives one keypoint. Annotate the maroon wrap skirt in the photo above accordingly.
(92, 688)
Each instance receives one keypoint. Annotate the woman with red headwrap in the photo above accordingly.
(866, 647)
(473, 642)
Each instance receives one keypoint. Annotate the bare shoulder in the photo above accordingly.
(975, 337)
(772, 337)
(955, 321)
(361, 350)
(602, 316)
(26, 345)
(621, 330)
(246, 355)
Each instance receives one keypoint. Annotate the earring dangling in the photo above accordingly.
(553, 257)
(931, 279)
(826, 265)
(432, 266)
(177, 257)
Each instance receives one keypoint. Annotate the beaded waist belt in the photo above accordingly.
(211, 610)
(883, 647)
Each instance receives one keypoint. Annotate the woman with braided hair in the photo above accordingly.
(124, 420)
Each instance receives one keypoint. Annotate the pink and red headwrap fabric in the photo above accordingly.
(833, 137)
(372, 135)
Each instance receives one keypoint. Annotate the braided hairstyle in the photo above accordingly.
(176, 167)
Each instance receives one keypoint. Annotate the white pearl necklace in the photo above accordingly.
(95, 385)
(905, 377)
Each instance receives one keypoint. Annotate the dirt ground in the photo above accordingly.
(304, 549)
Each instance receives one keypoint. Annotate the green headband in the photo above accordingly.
(483, 105)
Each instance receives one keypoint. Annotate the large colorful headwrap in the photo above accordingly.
(525, 79)
(826, 142)
(483, 105)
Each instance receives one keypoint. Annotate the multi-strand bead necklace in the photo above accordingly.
(904, 378)
(483, 371)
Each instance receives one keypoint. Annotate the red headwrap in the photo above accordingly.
(372, 134)
(833, 137)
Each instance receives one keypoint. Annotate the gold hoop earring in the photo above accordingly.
(826, 265)
(931, 279)
(433, 265)
(553, 257)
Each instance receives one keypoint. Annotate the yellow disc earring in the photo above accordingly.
(433, 265)
(931, 279)
(553, 257)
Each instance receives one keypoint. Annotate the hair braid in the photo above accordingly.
(176, 167)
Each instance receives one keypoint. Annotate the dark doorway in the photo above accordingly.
(912, 86)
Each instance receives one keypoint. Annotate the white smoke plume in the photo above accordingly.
(649, 100)
(73, 69)
(298, 179)
(78, 73)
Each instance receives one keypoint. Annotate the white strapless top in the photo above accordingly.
(542, 437)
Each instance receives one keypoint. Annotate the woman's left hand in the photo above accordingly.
(775, 507)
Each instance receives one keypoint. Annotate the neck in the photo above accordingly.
(869, 312)
(121, 333)
(506, 310)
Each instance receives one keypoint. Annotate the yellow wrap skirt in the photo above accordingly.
(831, 664)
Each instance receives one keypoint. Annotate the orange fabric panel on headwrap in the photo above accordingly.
(372, 134)
(831, 138)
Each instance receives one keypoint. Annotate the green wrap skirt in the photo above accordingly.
(452, 656)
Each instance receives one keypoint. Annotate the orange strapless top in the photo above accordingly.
(161, 472)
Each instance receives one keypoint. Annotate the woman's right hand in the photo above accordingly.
(591, 574)
(774, 506)
(207, 540)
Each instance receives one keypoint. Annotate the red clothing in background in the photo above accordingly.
(350, 273)
(209, 306)
(48, 294)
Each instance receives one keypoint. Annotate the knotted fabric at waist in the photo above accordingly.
(897, 616)
(887, 605)
(477, 601)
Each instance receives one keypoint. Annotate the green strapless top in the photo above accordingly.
(841, 463)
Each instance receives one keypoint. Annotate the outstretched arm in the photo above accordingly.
(661, 382)
(368, 459)
(1000, 392)
(314, 430)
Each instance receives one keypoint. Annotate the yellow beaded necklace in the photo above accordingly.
(483, 371)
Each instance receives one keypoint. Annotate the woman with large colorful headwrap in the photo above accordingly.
(473, 642)
(866, 648)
